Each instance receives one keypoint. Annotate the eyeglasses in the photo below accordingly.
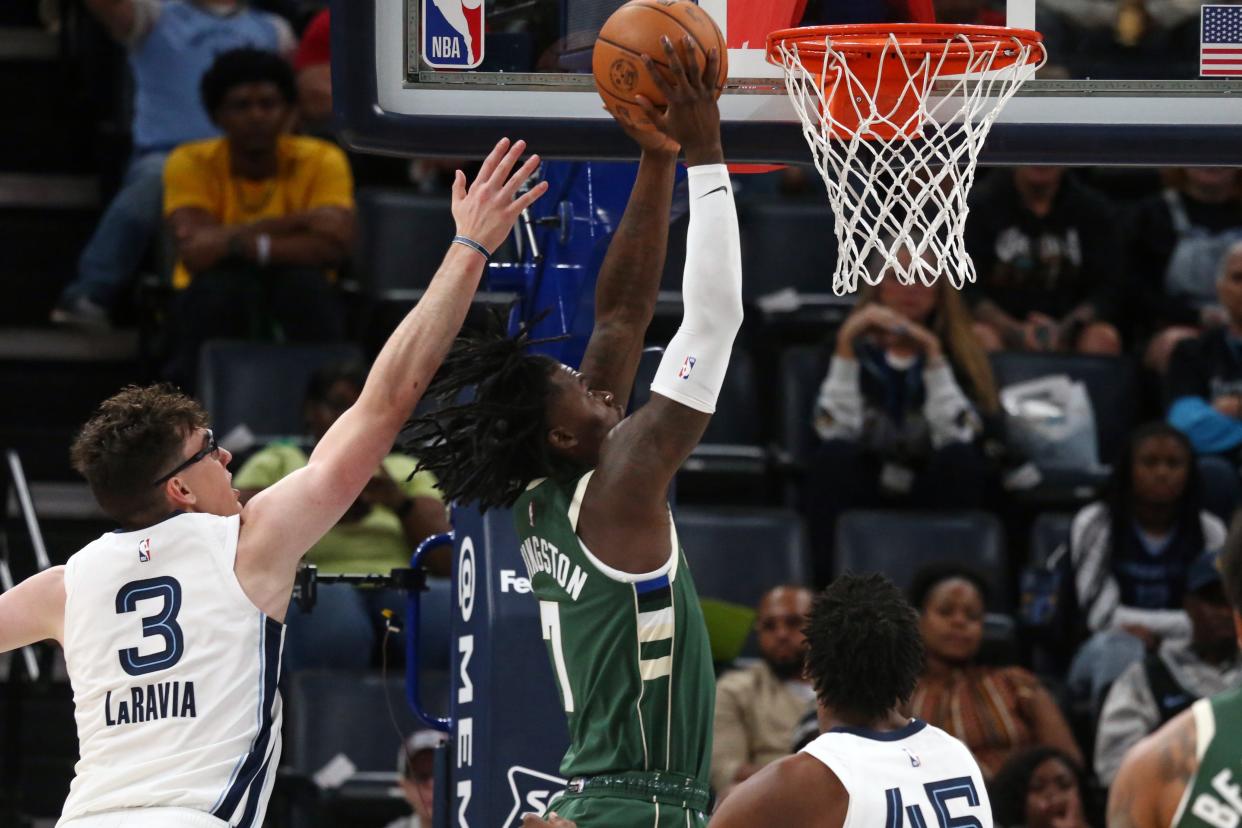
(209, 448)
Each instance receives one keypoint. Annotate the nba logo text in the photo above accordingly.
(686, 367)
(452, 33)
(144, 550)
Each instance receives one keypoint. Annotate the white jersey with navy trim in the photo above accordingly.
(915, 777)
(174, 675)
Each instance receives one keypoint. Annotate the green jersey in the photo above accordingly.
(1213, 799)
(630, 653)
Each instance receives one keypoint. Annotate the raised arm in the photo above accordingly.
(34, 610)
(629, 280)
(280, 523)
(624, 518)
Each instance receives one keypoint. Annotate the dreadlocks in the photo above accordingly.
(488, 448)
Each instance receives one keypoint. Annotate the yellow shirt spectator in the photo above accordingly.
(312, 173)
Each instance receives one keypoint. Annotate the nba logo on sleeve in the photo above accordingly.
(452, 33)
(144, 550)
(686, 367)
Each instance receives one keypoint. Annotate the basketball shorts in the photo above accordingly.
(618, 812)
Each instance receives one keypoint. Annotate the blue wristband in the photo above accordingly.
(473, 245)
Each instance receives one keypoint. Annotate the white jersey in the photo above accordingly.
(174, 675)
(916, 777)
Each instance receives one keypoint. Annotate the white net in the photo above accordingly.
(898, 158)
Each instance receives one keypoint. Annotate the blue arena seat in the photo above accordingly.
(1112, 384)
(1048, 533)
(434, 624)
(802, 371)
(341, 714)
(739, 554)
(787, 244)
(261, 385)
(402, 237)
(899, 544)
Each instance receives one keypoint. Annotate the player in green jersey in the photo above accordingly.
(588, 486)
(1188, 774)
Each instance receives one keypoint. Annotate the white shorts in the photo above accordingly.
(146, 818)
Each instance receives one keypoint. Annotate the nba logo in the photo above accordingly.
(144, 550)
(452, 33)
(686, 368)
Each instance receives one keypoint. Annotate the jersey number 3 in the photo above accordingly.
(163, 624)
(940, 794)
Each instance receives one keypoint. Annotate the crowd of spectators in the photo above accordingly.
(234, 164)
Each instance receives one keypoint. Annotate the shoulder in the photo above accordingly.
(741, 680)
(1093, 514)
(312, 150)
(1020, 681)
(797, 789)
(1154, 775)
(195, 152)
(1214, 529)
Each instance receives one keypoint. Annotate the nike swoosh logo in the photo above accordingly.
(721, 189)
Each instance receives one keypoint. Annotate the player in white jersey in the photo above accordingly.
(872, 767)
(172, 626)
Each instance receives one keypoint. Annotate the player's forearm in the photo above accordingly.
(630, 276)
(693, 368)
(416, 348)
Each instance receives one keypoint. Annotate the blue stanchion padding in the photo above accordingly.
(509, 731)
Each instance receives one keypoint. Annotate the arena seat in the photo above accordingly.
(402, 237)
(1049, 531)
(899, 544)
(434, 624)
(739, 554)
(341, 714)
(802, 371)
(261, 385)
(1112, 384)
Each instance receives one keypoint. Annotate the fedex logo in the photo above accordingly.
(452, 33)
(686, 367)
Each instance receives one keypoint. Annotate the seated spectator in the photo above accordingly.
(1048, 258)
(1039, 788)
(170, 44)
(1176, 243)
(758, 707)
(392, 516)
(901, 411)
(1129, 555)
(417, 776)
(260, 218)
(1168, 681)
(313, 64)
(1204, 390)
(994, 711)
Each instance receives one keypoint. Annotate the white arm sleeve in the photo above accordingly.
(694, 365)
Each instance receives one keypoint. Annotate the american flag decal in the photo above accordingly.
(1220, 46)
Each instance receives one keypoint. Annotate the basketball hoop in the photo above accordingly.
(895, 115)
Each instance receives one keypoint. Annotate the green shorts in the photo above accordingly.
(619, 812)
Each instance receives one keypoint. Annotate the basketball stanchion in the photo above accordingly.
(895, 116)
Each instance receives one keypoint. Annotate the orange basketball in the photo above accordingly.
(635, 29)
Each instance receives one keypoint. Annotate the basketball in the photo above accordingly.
(635, 29)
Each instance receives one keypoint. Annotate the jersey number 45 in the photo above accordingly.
(939, 794)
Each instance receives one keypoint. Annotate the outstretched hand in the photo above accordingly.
(692, 118)
(486, 210)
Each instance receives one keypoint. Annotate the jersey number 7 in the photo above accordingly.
(939, 794)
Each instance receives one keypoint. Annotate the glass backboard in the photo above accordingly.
(1123, 85)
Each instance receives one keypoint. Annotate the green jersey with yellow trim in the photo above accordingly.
(1213, 799)
(630, 653)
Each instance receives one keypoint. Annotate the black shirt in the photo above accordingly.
(1208, 366)
(1047, 264)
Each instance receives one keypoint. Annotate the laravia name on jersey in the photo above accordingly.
(166, 700)
(452, 33)
(541, 556)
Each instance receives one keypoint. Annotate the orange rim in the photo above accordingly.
(866, 40)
